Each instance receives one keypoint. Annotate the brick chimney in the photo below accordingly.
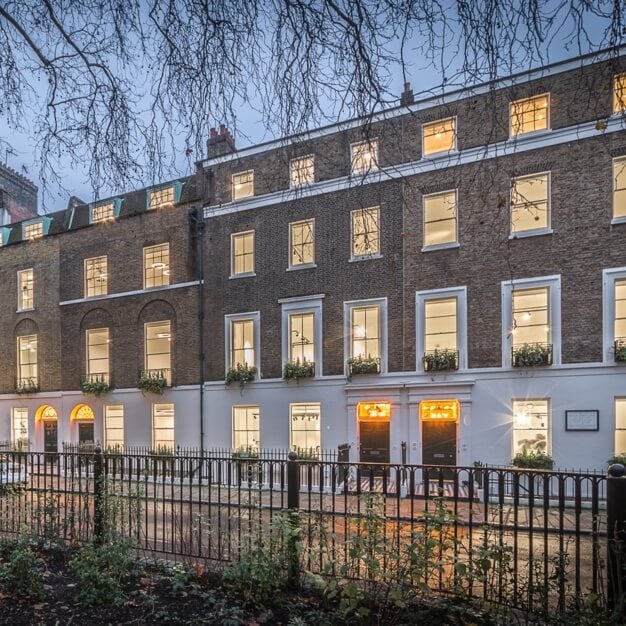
(406, 97)
(220, 142)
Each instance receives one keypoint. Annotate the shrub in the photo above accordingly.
(440, 360)
(363, 365)
(618, 458)
(241, 373)
(26, 386)
(296, 369)
(533, 459)
(532, 355)
(620, 350)
(153, 381)
(97, 386)
(22, 575)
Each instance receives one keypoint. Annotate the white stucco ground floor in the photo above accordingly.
(577, 414)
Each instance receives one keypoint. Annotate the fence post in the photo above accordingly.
(98, 496)
(616, 538)
(293, 519)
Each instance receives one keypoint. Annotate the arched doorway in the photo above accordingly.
(83, 415)
(48, 416)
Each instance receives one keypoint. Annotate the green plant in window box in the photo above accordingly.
(620, 350)
(162, 450)
(97, 385)
(618, 458)
(533, 459)
(26, 386)
(242, 373)
(441, 360)
(246, 453)
(532, 355)
(298, 369)
(363, 365)
(152, 381)
(307, 454)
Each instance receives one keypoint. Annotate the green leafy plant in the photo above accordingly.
(298, 369)
(152, 381)
(532, 355)
(241, 373)
(441, 360)
(533, 459)
(618, 458)
(97, 385)
(620, 350)
(26, 386)
(363, 365)
(23, 575)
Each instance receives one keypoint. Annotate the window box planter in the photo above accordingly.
(249, 469)
(296, 370)
(533, 459)
(95, 384)
(363, 365)
(152, 381)
(242, 373)
(532, 355)
(25, 386)
(618, 458)
(441, 360)
(619, 350)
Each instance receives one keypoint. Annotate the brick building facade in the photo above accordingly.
(446, 281)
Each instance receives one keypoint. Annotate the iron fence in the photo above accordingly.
(545, 532)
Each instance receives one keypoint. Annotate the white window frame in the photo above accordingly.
(146, 355)
(548, 428)
(421, 297)
(531, 232)
(367, 256)
(165, 270)
(155, 197)
(233, 238)
(20, 378)
(22, 282)
(292, 184)
(621, 219)
(348, 306)
(102, 212)
(305, 304)
(232, 424)
(36, 225)
(374, 167)
(173, 429)
(106, 428)
(255, 316)
(618, 400)
(106, 376)
(450, 244)
(291, 423)
(621, 98)
(14, 418)
(301, 266)
(105, 280)
(234, 188)
(440, 152)
(513, 135)
(609, 278)
(553, 283)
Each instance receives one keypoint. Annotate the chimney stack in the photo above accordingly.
(220, 142)
(406, 97)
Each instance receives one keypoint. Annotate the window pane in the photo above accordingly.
(96, 277)
(529, 115)
(163, 418)
(246, 428)
(156, 262)
(439, 136)
(27, 361)
(302, 337)
(440, 219)
(19, 428)
(619, 93)
(114, 425)
(161, 197)
(530, 426)
(531, 318)
(243, 184)
(26, 289)
(242, 342)
(158, 349)
(619, 188)
(305, 427)
(620, 309)
(98, 354)
(530, 203)
(366, 332)
(365, 232)
(243, 253)
(364, 156)
(32, 231)
(440, 325)
(302, 171)
(102, 212)
(302, 243)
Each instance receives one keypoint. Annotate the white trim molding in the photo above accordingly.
(348, 307)
(609, 278)
(305, 304)
(255, 317)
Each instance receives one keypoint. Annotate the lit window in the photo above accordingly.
(163, 418)
(27, 370)
(365, 232)
(302, 171)
(440, 223)
(159, 350)
(242, 343)
(242, 253)
(365, 335)
(439, 136)
(440, 326)
(530, 114)
(619, 188)
(620, 313)
(98, 355)
(19, 428)
(1, 237)
(301, 243)
(246, 430)
(96, 277)
(531, 326)
(620, 425)
(243, 185)
(302, 337)
(32, 231)
(531, 426)
(161, 197)
(305, 428)
(156, 266)
(102, 212)
(530, 203)
(364, 156)
(114, 426)
(25, 290)
(619, 93)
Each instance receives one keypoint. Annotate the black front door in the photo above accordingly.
(438, 442)
(85, 432)
(50, 443)
(374, 442)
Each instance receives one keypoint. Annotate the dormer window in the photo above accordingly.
(161, 197)
(530, 115)
(32, 230)
(105, 211)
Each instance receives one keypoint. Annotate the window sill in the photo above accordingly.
(530, 133)
(618, 220)
(365, 257)
(439, 153)
(304, 266)
(441, 246)
(32, 308)
(531, 233)
(151, 287)
(242, 275)
(365, 171)
(250, 195)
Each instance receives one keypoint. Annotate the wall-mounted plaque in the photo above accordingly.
(582, 420)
